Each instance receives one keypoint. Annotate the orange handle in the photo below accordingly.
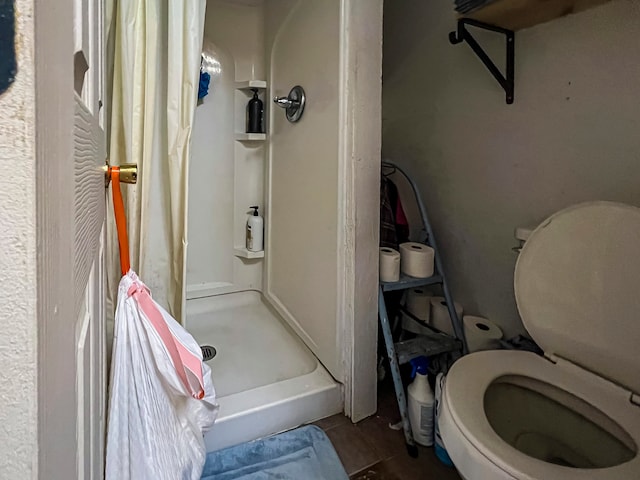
(121, 219)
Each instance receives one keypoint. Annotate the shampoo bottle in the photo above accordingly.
(421, 402)
(255, 113)
(255, 231)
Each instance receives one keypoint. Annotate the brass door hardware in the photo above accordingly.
(128, 173)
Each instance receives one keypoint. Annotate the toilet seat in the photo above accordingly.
(577, 288)
(463, 402)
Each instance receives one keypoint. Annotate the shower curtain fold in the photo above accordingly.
(153, 71)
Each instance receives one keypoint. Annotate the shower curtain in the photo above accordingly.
(154, 49)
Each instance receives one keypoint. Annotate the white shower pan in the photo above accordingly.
(266, 379)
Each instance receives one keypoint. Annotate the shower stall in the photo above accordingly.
(293, 329)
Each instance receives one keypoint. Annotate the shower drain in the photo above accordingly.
(208, 352)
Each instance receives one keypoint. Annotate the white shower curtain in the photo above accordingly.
(155, 48)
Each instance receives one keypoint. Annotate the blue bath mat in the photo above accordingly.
(304, 453)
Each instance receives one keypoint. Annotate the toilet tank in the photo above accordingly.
(521, 234)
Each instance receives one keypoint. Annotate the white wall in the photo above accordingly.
(18, 340)
(304, 214)
(486, 167)
(226, 177)
(322, 225)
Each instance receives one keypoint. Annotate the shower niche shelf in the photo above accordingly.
(244, 253)
(244, 93)
(251, 137)
(249, 84)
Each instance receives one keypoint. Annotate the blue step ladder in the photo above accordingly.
(429, 344)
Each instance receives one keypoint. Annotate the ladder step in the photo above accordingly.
(410, 282)
(427, 345)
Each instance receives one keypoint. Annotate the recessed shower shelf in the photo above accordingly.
(244, 253)
(251, 137)
(249, 84)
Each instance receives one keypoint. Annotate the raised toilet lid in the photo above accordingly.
(577, 286)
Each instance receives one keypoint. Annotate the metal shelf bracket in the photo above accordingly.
(507, 82)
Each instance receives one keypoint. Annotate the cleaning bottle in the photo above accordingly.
(255, 112)
(255, 231)
(421, 402)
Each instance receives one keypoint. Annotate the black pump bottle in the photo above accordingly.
(255, 111)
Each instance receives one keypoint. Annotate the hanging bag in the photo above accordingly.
(161, 397)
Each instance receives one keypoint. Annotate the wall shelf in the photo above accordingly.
(251, 137)
(249, 84)
(519, 14)
(244, 253)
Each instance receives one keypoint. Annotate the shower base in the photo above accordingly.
(266, 379)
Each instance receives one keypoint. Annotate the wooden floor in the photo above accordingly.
(370, 450)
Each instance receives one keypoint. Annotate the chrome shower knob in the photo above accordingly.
(293, 104)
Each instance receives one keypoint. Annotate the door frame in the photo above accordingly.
(54, 121)
(360, 159)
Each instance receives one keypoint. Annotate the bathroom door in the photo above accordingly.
(71, 224)
(89, 223)
(304, 210)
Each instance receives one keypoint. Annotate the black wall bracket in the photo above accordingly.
(463, 35)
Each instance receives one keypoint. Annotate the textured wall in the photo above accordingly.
(486, 167)
(18, 339)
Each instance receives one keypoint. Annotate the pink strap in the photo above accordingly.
(183, 359)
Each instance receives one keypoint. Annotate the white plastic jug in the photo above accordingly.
(421, 403)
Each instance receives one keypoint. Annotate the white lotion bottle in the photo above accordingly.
(255, 231)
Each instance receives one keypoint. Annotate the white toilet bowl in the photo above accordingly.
(502, 409)
(575, 413)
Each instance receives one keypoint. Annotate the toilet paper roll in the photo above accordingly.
(412, 326)
(419, 303)
(389, 265)
(440, 315)
(481, 334)
(416, 259)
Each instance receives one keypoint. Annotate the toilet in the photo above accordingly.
(574, 413)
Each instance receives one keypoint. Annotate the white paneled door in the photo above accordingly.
(70, 226)
(89, 225)
(70, 58)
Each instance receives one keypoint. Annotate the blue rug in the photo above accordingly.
(304, 453)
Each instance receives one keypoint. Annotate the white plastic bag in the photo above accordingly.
(161, 394)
